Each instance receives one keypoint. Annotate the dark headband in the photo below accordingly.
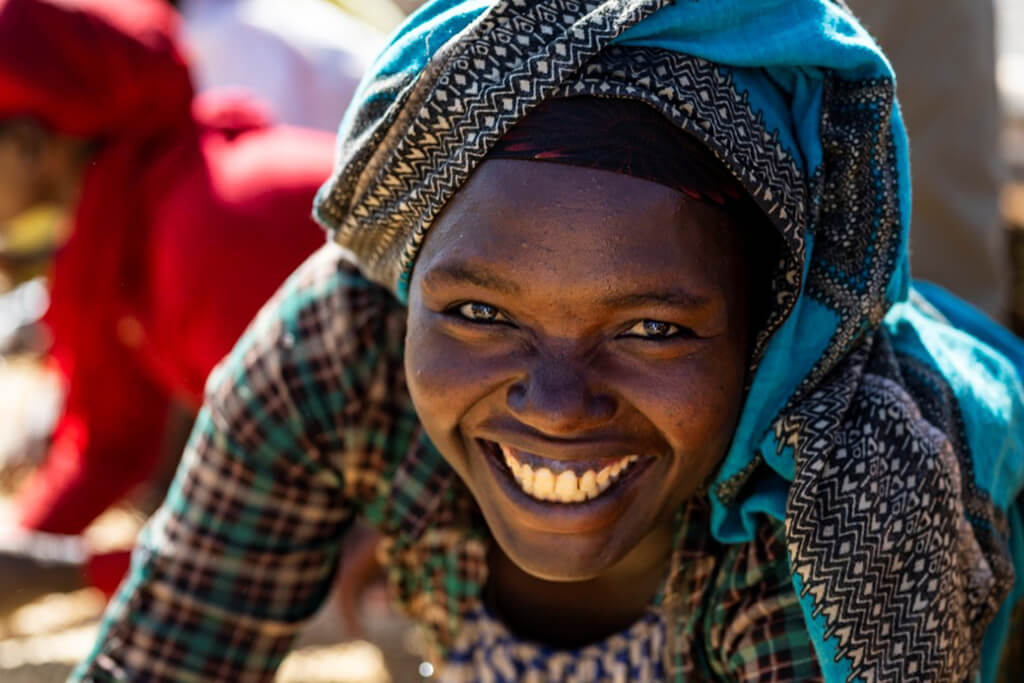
(623, 136)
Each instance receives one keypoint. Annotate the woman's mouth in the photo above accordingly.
(559, 481)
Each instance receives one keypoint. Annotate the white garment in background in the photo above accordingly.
(302, 57)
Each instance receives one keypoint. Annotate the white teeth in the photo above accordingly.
(543, 484)
(566, 487)
(588, 484)
(525, 479)
(513, 465)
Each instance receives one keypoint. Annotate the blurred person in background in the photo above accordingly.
(944, 57)
(186, 213)
(303, 57)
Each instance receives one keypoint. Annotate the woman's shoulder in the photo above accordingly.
(328, 286)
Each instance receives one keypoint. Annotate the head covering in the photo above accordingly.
(890, 443)
(87, 67)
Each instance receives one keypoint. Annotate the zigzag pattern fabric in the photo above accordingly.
(876, 526)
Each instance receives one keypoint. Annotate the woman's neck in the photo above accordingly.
(569, 615)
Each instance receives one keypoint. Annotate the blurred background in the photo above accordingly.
(960, 65)
(1010, 25)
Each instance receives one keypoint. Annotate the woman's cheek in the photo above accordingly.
(428, 366)
(447, 376)
(695, 405)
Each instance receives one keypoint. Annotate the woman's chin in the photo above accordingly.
(558, 558)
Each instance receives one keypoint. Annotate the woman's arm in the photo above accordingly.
(245, 546)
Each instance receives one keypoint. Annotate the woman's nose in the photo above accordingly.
(555, 398)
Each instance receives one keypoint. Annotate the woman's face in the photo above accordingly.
(576, 349)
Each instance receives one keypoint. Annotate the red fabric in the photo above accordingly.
(190, 215)
(106, 570)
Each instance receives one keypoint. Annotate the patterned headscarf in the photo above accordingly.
(891, 444)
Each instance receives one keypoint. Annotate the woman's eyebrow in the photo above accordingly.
(459, 273)
(679, 298)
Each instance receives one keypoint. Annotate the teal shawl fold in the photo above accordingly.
(885, 421)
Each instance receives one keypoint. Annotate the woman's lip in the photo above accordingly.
(556, 465)
(566, 518)
(595, 447)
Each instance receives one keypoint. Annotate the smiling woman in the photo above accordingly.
(578, 320)
(590, 392)
(622, 357)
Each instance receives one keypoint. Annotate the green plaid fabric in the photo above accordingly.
(307, 425)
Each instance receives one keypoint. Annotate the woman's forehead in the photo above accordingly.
(585, 185)
(528, 223)
(538, 188)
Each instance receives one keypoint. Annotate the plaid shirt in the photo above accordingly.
(308, 424)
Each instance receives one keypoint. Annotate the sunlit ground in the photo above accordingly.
(42, 642)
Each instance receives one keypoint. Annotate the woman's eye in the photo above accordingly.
(653, 329)
(481, 313)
